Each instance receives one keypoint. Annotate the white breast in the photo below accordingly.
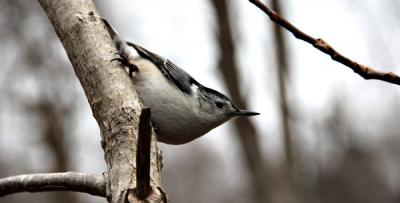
(174, 113)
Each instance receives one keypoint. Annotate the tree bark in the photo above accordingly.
(110, 93)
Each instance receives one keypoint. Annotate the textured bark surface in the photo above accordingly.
(111, 95)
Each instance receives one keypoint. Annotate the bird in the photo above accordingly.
(182, 109)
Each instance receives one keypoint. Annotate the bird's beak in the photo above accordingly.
(244, 113)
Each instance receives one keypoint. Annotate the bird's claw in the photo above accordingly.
(125, 63)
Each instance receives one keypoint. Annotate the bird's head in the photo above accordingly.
(218, 108)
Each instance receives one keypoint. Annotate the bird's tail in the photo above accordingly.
(114, 35)
(110, 28)
(122, 46)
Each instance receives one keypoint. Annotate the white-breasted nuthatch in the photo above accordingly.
(182, 109)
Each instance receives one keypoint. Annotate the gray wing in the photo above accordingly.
(176, 75)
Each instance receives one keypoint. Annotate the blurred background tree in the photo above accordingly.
(324, 135)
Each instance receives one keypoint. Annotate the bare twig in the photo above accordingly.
(363, 70)
(143, 188)
(69, 181)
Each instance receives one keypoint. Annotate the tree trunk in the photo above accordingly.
(283, 75)
(110, 93)
(245, 129)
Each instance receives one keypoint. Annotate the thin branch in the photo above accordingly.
(143, 188)
(69, 181)
(363, 70)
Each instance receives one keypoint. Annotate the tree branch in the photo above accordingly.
(110, 93)
(69, 181)
(363, 70)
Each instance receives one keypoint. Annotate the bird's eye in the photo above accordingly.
(219, 104)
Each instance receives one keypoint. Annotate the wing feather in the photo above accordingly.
(175, 74)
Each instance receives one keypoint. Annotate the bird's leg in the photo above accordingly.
(125, 63)
(132, 68)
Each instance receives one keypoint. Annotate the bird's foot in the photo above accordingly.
(125, 63)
